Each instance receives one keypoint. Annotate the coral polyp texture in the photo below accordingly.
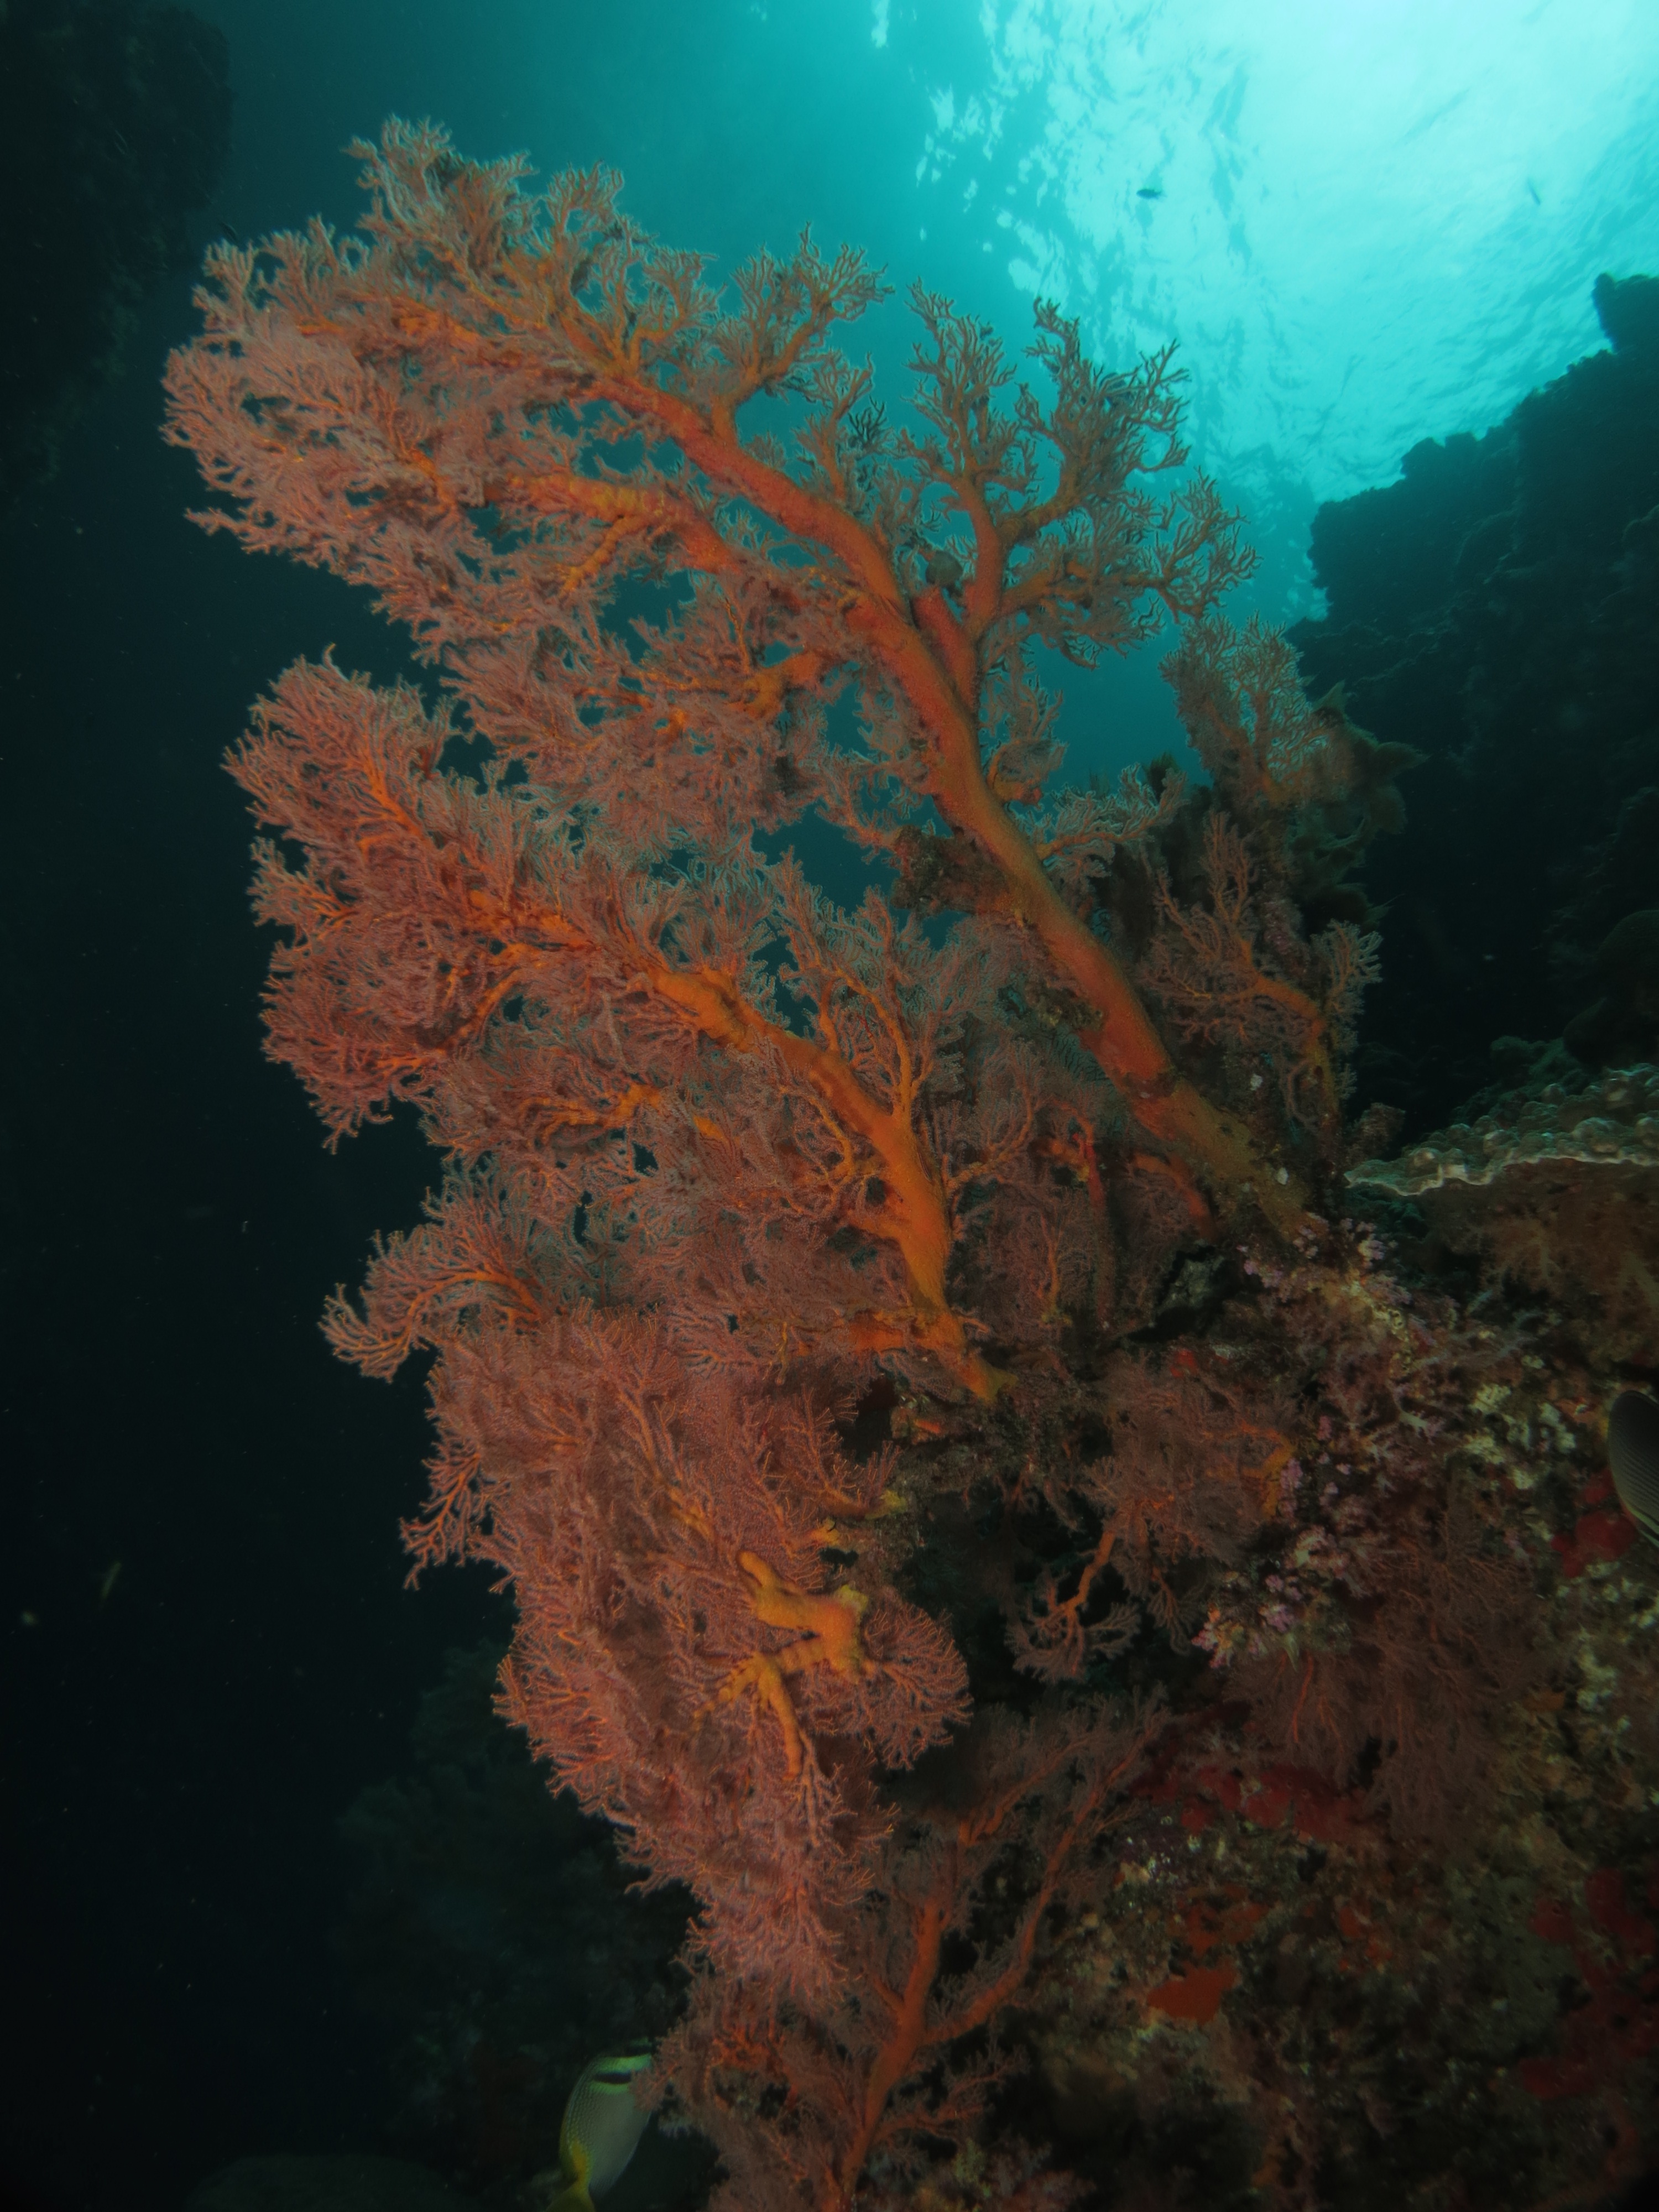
(1062, 1595)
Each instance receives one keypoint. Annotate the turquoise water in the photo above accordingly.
(1373, 223)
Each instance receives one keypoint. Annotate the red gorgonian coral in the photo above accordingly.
(725, 1159)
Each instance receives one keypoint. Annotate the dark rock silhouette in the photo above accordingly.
(1497, 609)
(114, 124)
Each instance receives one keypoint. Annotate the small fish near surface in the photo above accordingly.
(602, 2126)
(1633, 1458)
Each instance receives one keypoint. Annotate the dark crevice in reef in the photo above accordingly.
(114, 125)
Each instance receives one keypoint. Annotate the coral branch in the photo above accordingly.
(831, 1640)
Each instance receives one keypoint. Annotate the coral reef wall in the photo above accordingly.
(1496, 609)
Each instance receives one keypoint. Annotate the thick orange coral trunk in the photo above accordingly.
(935, 663)
(931, 659)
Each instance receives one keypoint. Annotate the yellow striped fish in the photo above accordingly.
(1633, 1458)
(602, 2127)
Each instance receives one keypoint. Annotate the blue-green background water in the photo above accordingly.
(1366, 224)
(1375, 223)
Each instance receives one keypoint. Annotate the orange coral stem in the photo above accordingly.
(913, 1213)
(831, 1619)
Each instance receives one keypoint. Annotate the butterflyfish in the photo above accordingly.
(1633, 1458)
(602, 2127)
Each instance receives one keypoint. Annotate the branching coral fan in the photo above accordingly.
(790, 1280)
